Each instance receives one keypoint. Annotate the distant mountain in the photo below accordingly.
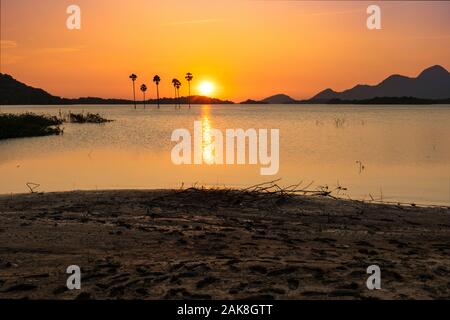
(432, 83)
(250, 101)
(13, 92)
(275, 99)
(279, 99)
(391, 100)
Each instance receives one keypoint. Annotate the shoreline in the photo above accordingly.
(403, 204)
(365, 103)
(219, 244)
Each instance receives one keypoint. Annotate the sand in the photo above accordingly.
(194, 244)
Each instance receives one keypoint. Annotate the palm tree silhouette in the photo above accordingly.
(133, 78)
(177, 84)
(143, 89)
(178, 90)
(174, 83)
(189, 78)
(156, 80)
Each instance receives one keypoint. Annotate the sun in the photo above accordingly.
(206, 88)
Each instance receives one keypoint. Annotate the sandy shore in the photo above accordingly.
(219, 245)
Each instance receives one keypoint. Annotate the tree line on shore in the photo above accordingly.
(157, 79)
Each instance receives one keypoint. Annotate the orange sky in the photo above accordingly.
(249, 49)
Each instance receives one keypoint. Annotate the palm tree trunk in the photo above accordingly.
(144, 100)
(134, 96)
(189, 96)
(157, 94)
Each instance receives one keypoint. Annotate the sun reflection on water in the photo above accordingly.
(207, 141)
(208, 152)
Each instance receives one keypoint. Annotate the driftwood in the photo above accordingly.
(32, 186)
(267, 195)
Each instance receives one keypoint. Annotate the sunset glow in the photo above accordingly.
(206, 88)
(214, 153)
(253, 49)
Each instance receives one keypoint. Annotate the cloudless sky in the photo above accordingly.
(248, 49)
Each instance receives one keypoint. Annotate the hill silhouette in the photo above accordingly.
(13, 92)
(432, 83)
(279, 99)
(275, 99)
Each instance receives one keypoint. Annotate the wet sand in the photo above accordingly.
(219, 244)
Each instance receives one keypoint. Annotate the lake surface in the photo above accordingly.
(393, 153)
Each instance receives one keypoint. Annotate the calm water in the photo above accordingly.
(404, 150)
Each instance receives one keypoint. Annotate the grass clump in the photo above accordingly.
(28, 125)
(86, 118)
